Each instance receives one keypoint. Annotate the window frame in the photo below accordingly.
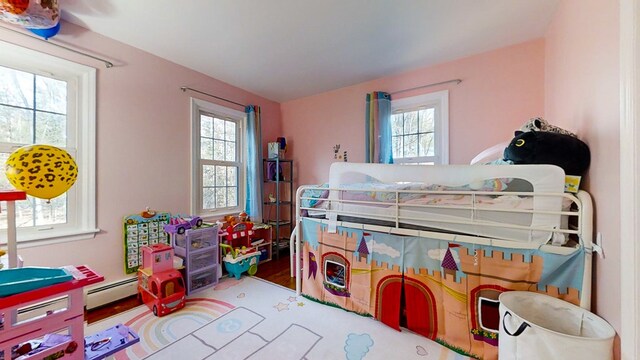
(81, 143)
(199, 106)
(438, 100)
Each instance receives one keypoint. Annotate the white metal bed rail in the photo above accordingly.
(581, 204)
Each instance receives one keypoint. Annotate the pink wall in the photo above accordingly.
(582, 94)
(501, 89)
(143, 141)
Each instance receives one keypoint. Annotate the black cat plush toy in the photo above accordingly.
(542, 147)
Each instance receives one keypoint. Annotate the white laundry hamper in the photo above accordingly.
(537, 326)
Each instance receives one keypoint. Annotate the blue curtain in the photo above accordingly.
(253, 204)
(378, 141)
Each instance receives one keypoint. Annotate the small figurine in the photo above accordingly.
(243, 216)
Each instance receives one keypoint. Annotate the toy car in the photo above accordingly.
(160, 286)
(179, 225)
(163, 292)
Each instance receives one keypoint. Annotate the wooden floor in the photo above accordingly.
(276, 271)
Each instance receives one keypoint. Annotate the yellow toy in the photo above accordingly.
(42, 171)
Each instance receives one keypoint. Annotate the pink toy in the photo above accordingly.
(160, 286)
(70, 318)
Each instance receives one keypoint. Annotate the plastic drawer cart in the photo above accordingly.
(200, 253)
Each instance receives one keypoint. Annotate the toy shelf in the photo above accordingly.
(70, 319)
(258, 232)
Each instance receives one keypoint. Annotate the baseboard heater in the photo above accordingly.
(108, 293)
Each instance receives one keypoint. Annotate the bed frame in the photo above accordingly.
(579, 230)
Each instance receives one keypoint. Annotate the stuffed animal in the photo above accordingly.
(541, 147)
(540, 124)
(229, 220)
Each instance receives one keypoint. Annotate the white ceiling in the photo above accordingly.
(287, 49)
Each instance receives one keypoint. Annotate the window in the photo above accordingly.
(218, 163)
(334, 273)
(420, 129)
(489, 314)
(48, 100)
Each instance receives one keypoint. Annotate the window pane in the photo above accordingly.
(16, 87)
(426, 120)
(221, 197)
(232, 196)
(230, 131)
(221, 176)
(24, 213)
(231, 151)
(396, 124)
(397, 147)
(208, 198)
(51, 95)
(208, 173)
(4, 182)
(427, 146)
(411, 122)
(218, 128)
(218, 150)
(51, 129)
(206, 149)
(16, 125)
(411, 145)
(206, 126)
(54, 212)
(232, 176)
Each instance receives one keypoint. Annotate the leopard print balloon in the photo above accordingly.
(42, 171)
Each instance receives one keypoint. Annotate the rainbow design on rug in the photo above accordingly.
(251, 319)
(159, 332)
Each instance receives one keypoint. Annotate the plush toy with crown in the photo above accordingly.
(540, 124)
(542, 147)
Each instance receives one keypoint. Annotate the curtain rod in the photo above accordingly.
(457, 81)
(107, 64)
(185, 88)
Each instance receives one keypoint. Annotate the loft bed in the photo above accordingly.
(383, 240)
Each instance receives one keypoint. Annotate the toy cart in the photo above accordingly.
(236, 262)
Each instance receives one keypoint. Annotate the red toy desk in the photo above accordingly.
(71, 319)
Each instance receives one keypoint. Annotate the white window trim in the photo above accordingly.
(84, 195)
(440, 101)
(198, 105)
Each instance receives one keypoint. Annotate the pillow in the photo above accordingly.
(316, 195)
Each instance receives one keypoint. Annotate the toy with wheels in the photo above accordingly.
(160, 286)
(237, 261)
(178, 225)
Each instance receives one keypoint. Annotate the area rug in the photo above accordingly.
(253, 319)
